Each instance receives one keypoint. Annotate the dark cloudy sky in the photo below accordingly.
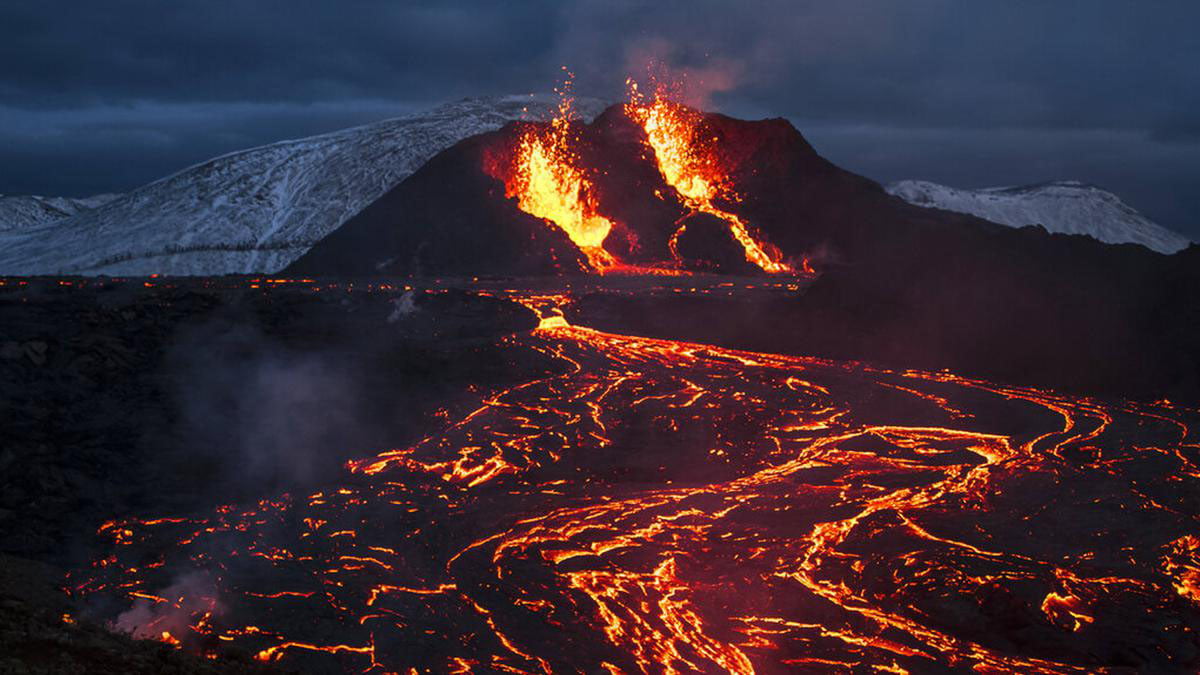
(105, 96)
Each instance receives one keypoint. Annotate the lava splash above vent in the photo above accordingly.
(692, 166)
(548, 182)
(549, 178)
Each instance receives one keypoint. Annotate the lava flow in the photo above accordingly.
(690, 166)
(647, 505)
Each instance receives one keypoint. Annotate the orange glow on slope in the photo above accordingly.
(672, 132)
(548, 183)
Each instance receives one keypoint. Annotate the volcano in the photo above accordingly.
(885, 280)
(455, 215)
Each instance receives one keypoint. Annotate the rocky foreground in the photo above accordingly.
(124, 396)
(563, 473)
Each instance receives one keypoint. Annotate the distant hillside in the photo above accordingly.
(1067, 207)
(255, 210)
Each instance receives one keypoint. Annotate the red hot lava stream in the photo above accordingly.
(689, 164)
(660, 506)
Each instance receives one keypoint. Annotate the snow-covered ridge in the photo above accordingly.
(1069, 207)
(256, 210)
(18, 212)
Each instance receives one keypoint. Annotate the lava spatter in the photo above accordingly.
(651, 505)
(549, 182)
(689, 164)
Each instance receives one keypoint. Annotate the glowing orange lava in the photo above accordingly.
(689, 166)
(645, 505)
(548, 182)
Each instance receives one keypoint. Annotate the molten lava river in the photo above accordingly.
(652, 506)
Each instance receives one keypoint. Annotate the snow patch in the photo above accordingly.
(1067, 207)
(257, 210)
(22, 212)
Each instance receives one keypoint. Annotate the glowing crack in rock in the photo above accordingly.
(649, 505)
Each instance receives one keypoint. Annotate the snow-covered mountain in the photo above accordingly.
(256, 210)
(18, 212)
(1068, 207)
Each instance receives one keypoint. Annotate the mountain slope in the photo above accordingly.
(259, 209)
(1066, 207)
(899, 284)
(18, 212)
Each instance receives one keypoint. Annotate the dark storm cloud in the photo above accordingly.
(920, 62)
(92, 149)
(100, 96)
(62, 53)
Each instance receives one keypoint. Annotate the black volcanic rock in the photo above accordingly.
(450, 218)
(705, 240)
(629, 188)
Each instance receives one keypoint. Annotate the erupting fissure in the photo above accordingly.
(693, 170)
(549, 183)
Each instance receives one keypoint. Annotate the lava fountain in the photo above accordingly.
(548, 181)
(690, 165)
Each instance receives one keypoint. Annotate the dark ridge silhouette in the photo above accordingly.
(900, 284)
